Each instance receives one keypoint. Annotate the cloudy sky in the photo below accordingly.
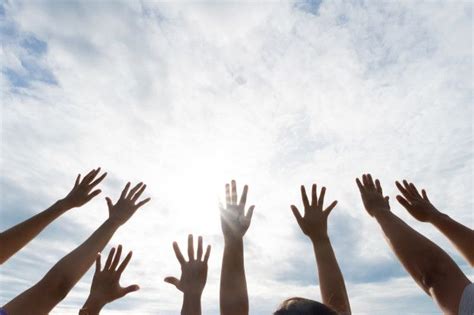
(186, 96)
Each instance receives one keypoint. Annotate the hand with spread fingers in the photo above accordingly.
(429, 265)
(16, 237)
(234, 221)
(314, 223)
(63, 276)
(418, 205)
(421, 208)
(372, 195)
(193, 275)
(106, 286)
(126, 206)
(81, 192)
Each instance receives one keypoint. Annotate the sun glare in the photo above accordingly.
(196, 193)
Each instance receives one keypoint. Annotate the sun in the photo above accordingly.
(195, 192)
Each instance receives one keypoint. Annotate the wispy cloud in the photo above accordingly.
(185, 97)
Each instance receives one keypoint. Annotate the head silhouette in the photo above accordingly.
(301, 306)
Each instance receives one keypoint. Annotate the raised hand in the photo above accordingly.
(194, 271)
(314, 223)
(372, 195)
(127, 204)
(106, 286)
(81, 192)
(419, 206)
(234, 221)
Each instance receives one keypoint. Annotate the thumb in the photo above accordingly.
(130, 288)
(172, 280)
(109, 202)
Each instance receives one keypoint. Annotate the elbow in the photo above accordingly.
(471, 260)
(61, 289)
(3, 258)
(433, 275)
(3, 255)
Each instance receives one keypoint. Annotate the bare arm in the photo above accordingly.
(60, 279)
(193, 276)
(234, 298)
(431, 268)
(421, 208)
(314, 225)
(106, 286)
(15, 238)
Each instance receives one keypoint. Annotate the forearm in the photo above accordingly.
(73, 266)
(434, 271)
(15, 238)
(191, 304)
(461, 236)
(331, 281)
(233, 287)
(416, 253)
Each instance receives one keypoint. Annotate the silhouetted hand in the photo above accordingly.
(194, 271)
(127, 204)
(314, 223)
(234, 221)
(81, 192)
(372, 195)
(419, 206)
(106, 286)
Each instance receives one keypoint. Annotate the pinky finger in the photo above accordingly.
(207, 254)
(378, 186)
(141, 203)
(250, 214)
(97, 263)
(425, 196)
(330, 207)
(93, 194)
(78, 180)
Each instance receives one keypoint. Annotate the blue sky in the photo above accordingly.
(276, 94)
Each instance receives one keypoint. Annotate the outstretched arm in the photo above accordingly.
(106, 286)
(193, 276)
(60, 279)
(431, 268)
(234, 298)
(314, 225)
(15, 238)
(420, 207)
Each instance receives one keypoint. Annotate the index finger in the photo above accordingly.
(178, 254)
(304, 197)
(243, 198)
(124, 263)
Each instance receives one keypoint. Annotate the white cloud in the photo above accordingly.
(185, 97)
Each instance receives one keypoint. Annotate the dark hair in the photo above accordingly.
(302, 306)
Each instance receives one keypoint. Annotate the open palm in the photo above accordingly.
(106, 282)
(234, 221)
(314, 222)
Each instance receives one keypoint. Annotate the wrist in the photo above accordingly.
(380, 212)
(193, 295)
(191, 303)
(233, 241)
(93, 305)
(114, 223)
(438, 217)
(319, 239)
(62, 205)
